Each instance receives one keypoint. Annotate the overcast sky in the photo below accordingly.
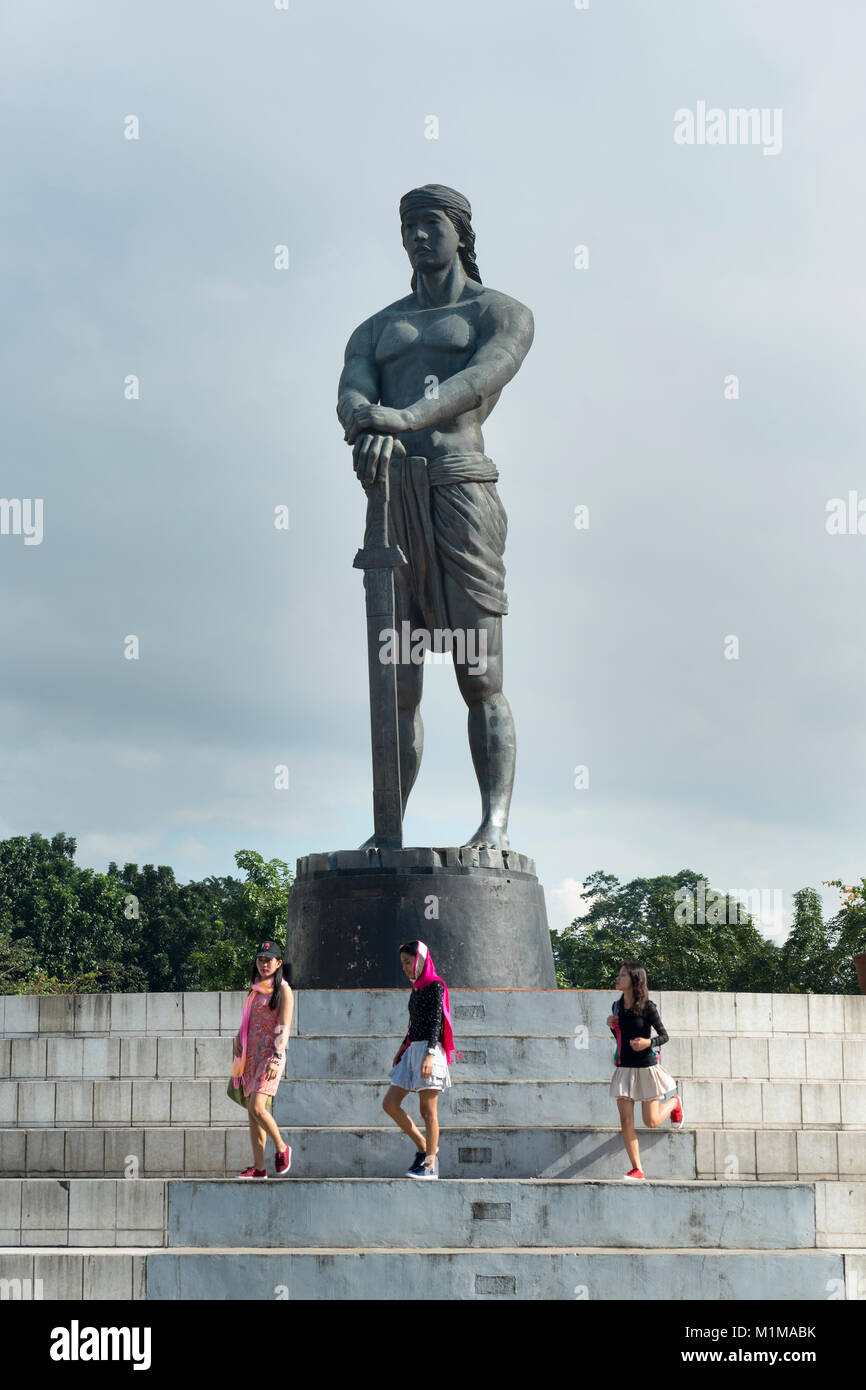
(154, 257)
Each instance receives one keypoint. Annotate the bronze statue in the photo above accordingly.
(427, 371)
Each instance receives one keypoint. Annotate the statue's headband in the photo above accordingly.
(435, 195)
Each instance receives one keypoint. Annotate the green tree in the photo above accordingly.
(657, 922)
(55, 917)
(806, 958)
(172, 922)
(256, 912)
(64, 927)
(846, 936)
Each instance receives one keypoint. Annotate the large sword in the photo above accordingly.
(378, 558)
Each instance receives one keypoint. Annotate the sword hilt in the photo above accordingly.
(378, 553)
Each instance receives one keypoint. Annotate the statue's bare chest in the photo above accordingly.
(407, 337)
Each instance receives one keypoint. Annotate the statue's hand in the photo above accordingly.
(375, 419)
(371, 455)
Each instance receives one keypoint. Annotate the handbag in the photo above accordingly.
(236, 1093)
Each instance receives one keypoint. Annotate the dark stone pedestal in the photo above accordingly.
(481, 912)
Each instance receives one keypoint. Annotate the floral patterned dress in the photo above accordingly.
(264, 1027)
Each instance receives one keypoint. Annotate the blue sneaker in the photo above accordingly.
(427, 1170)
(417, 1165)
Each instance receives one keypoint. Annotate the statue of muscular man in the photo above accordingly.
(428, 370)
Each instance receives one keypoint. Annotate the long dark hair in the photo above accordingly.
(640, 989)
(466, 252)
(282, 972)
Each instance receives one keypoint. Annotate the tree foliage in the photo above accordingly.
(63, 927)
(817, 956)
(255, 913)
(57, 921)
(714, 946)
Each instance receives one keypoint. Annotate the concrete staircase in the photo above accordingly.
(116, 1139)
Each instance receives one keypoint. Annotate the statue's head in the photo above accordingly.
(436, 225)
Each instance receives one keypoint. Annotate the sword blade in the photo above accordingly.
(384, 728)
(379, 559)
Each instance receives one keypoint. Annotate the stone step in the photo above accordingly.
(508, 1273)
(579, 1058)
(497, 1058)
(83, 1212)
(491, 1057)
(32, 1104)
(199, 1013)
(516, 1013)
(560, 1013)
(81, 1275)
(384, 1213)
(737, 1103)
(747, 1103)
(381, 1151)
(375, 1152)
(493, 1212)
(552, 1273)
(117, 1059)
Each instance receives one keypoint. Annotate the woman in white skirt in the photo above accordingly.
(638, 1075)
(423, 1058)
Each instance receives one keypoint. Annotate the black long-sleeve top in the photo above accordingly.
(425, 1014)
(630, 1025)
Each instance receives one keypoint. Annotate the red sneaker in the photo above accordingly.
(253, 1173)
(634, 1176)
(676, 1115)
(283, 1162)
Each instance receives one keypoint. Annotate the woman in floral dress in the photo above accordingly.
(260, 1056)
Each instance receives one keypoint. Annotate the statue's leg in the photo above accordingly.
(410, 683)
(477, 649)
(410, 679)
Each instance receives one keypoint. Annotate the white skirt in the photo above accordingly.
(407, 1073)
(641, 1083)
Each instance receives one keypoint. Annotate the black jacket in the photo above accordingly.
(628, 1026)
(426, 1016)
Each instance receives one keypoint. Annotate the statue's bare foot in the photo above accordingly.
(488, 836)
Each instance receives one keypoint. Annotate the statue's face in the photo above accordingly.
(430, 238)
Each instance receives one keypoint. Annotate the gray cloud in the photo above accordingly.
(707, 516)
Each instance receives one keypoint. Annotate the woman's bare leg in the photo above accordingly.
(393, 1107)
(629, 1138)
(268, 1127)
(427, 1101)
(257, 1136)
(655, 1112)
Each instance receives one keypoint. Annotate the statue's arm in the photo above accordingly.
(507, 329)
(359, 379)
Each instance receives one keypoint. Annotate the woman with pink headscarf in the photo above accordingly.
(423, 1058)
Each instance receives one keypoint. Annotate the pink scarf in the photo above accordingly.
(239, 1065)
(423, 974)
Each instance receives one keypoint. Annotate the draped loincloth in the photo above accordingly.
(447, 517)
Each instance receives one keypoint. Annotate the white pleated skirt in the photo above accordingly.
(641, 1083)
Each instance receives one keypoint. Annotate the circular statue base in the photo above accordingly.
(481, 912)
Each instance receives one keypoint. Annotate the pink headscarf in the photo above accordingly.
(424, 973)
